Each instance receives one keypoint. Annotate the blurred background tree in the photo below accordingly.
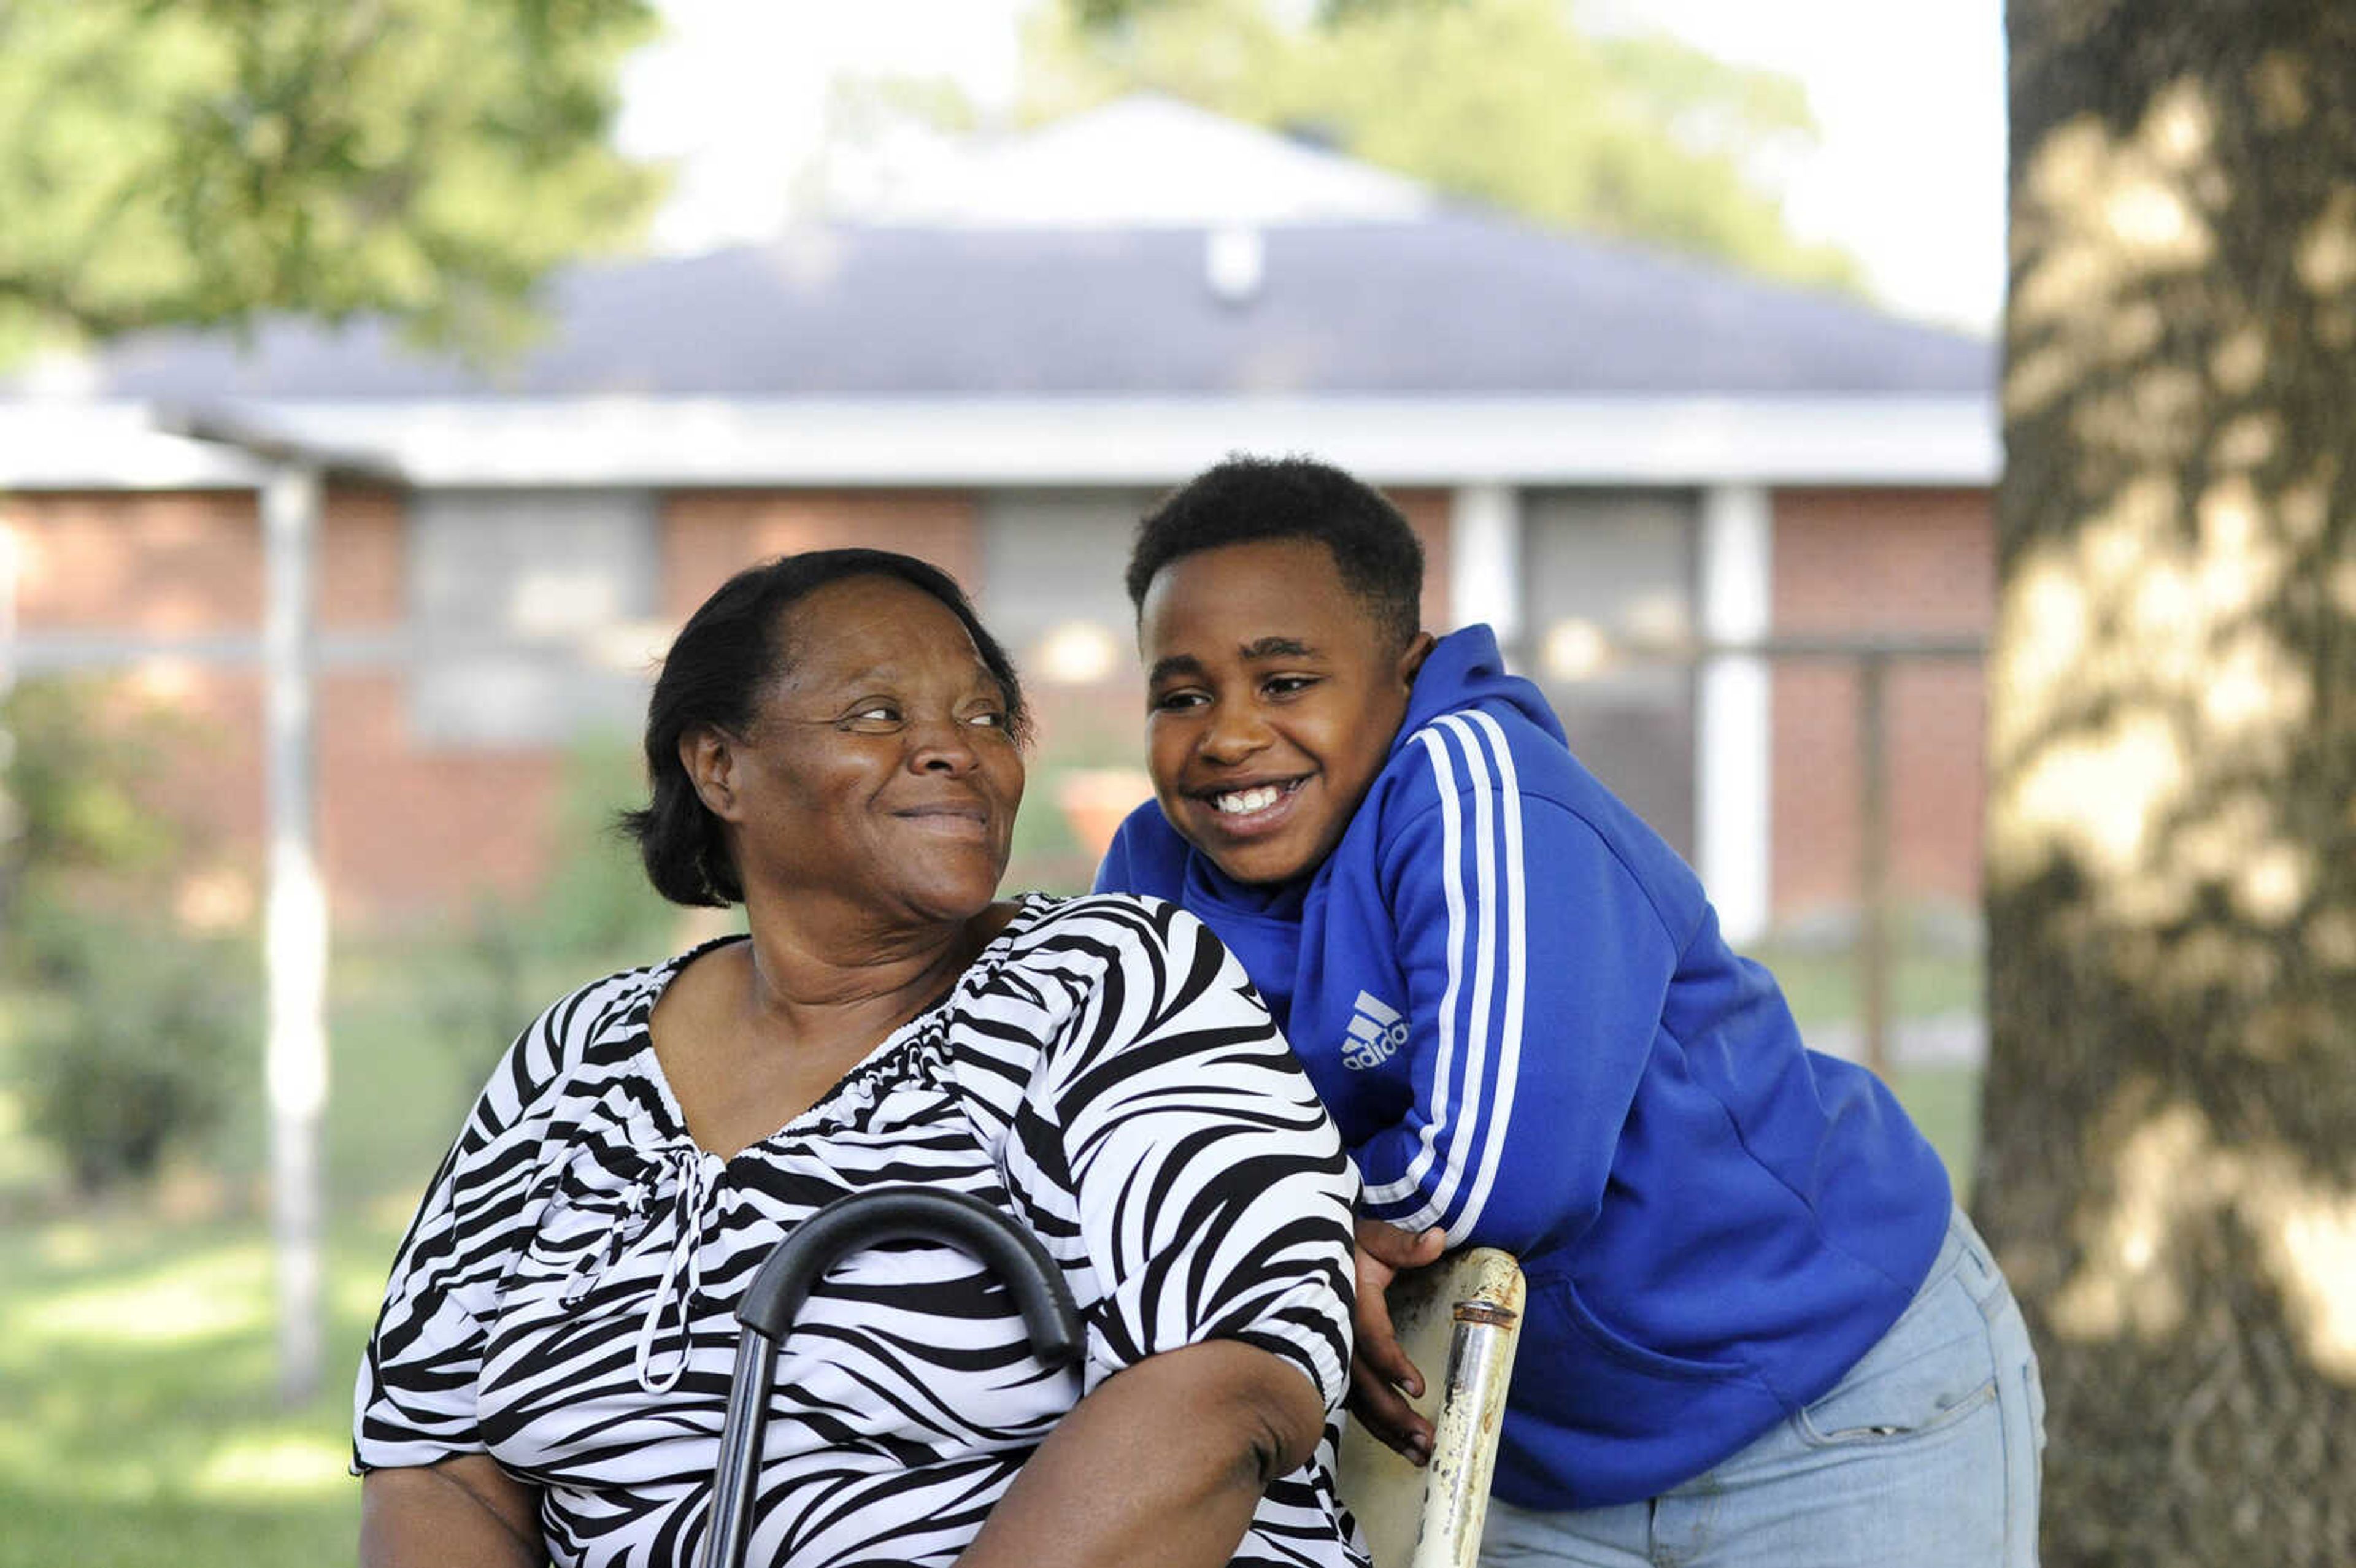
(200, 163)
(131, 1030)
(1510, 103)
(2169, 1159)
(171, 162)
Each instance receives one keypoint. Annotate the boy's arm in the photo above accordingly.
(1537, 968)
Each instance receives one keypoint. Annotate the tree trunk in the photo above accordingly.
(2169, 1166)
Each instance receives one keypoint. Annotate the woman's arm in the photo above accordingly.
(1159, 1467)
(1170, 1140)
(465, 1512)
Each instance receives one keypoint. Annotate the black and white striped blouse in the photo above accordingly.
(1103, 1073)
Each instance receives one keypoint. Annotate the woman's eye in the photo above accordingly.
(989, 720)
(876, 715)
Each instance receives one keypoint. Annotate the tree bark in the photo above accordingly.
(2169, 1121)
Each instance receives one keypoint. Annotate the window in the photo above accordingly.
(1051, 592)
(1606, 570)
(1051, 580)
(530, 610)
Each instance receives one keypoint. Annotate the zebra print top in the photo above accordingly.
(1103, 1073)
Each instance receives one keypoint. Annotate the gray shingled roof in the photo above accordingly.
(1467, 304)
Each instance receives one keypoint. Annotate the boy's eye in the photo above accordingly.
(1286, 685)
(1175, 701)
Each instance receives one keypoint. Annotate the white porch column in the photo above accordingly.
(295, 925)
(1733, 738)
(1484, 559)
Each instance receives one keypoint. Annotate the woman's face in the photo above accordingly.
(879, 777)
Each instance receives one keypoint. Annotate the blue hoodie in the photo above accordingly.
(1514, 1000)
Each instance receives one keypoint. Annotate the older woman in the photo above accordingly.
(836, 742)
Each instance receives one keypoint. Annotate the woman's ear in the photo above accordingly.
(1417, 649)
(709, 755)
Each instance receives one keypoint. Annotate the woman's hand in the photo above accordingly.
(465, 1512)
(1161, 1468)
(1379, 1370)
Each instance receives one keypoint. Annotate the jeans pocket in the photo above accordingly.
(1934, 1368)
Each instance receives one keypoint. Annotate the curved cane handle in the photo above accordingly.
(783, 1282)
(916, 1213)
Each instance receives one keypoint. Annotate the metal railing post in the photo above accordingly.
(1873, 945)
(295, 932)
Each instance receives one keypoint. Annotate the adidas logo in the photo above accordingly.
(1377, 1031)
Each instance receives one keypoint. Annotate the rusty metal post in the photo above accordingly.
(1873, 943)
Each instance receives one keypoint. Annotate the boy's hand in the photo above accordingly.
(1379, 1370)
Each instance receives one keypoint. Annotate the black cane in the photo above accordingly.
(777, 1291)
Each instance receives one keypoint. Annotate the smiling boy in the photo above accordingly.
(1757, 1325)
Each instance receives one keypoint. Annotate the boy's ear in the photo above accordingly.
(1417, 649)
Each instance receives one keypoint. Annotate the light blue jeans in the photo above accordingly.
(1928, 1453)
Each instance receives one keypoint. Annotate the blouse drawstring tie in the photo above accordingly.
(693, 1184)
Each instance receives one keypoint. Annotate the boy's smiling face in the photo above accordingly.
(1272, 697)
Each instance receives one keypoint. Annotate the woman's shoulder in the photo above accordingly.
(1059, 957)
(593, 1031)
(1112, 926)
(1077, 983)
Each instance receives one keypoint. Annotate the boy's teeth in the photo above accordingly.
(1235, 803)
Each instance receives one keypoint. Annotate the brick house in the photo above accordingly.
(1601, 445)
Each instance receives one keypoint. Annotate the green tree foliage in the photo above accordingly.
(1505, 101)
(70, 809)
(166, 162)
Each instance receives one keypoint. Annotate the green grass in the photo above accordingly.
(1945, 1102)
(138, 1421)
(1824, 985)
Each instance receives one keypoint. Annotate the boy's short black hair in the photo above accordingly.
(1247, 498)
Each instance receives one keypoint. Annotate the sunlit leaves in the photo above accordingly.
(1502, 102)
(207, 160)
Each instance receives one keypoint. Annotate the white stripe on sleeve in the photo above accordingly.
(1491, 1068)
(1452, 834)
(1514, 917)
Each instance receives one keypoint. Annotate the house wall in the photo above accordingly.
(710, 535)
(412, 823)
(411, 826)
(401, 828)
(1426, 512)
(1903, 563)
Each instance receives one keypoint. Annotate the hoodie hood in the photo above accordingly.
(1465, 670)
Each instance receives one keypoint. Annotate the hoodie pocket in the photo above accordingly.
(1607, 1342)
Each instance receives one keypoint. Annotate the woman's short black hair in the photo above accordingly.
(1249, 498)
(731, 650)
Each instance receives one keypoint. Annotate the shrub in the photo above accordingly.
(129, 1035)
(137, 1038)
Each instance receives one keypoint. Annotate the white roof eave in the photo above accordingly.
(998, 442)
